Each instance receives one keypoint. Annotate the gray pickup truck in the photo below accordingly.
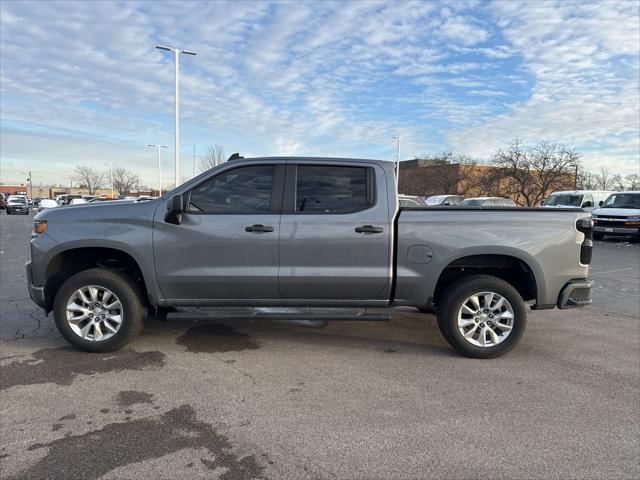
(312, 233)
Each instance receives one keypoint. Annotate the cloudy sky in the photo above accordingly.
(81, 82)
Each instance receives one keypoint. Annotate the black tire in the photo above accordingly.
(129, 294)
(8, 212)
(452, 301)
(598, 235)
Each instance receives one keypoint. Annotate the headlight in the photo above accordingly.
(39, 226)
(633, 218)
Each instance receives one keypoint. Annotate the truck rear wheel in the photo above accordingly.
(99, 310)
(482, 316)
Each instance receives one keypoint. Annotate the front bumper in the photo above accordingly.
(616, 230)
(18, 209)
(36, 293)
(576, 293)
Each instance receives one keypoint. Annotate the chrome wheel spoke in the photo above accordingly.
(94, 313)
(113, 306)
(494, 336)
(485, 319)
(488, 298)
(97, 331)
(502, 326)
(93, 292)
(470, 333)
(108, 326)
(106, 296)
(475, 301)
(465, 322)
(467, 310)
(83, 297)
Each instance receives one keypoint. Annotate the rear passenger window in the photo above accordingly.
(325, 189)
(241, 190)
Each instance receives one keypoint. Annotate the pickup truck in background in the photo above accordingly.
(619, 215)
(312, 233)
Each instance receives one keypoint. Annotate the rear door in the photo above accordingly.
(335, 234)
(226, 246)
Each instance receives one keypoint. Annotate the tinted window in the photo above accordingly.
(241, 190)
(331, 189)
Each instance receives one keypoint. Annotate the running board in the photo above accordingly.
(285, 314)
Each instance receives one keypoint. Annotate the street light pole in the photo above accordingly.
(111, 176)
(176, 55)
(158, 146)
(397, 163)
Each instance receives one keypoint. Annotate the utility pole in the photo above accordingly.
(176, 55)
(397, 162)
(111, 176)
(158, 146)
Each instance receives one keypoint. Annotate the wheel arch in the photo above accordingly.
(68, 261)
(514, 266)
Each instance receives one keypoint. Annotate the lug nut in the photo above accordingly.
(491, 315)
(482, 325)
(91, 314)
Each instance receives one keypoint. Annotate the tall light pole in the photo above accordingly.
(176, 54)
(158, 146)
(397, 162)
(111, 176)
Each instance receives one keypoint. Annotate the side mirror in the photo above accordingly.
(600, 203)
(587, 204)
(175, 207)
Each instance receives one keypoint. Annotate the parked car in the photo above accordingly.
(585, 199)
(487, 202)
(310, 232)
(410, 201)
(46, 203)
(17, 204)
(3, 202)
(444, 200)
(619, 215)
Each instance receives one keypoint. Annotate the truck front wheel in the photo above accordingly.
(99, 310)
(482, 316)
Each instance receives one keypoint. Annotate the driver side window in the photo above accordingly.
(241, 190)
(587, 201)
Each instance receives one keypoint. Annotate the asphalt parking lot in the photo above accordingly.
(214, 398)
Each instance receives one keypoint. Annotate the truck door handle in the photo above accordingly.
(258, 228)
(369, 229)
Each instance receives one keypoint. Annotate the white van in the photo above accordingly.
(585, 199)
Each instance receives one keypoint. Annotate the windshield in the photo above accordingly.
(471, 202)
(18, 200)
(565, 200)
(622, 200)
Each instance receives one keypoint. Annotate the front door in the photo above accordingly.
(334, 235)
(226, 246)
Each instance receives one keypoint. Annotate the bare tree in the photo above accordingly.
(529, 174)
(633, 181)
(603, 179)
(214, 155)
(617, 182)
(586, 180)
(88, 177)
(124, 180)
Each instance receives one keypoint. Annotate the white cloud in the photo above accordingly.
(585, 63)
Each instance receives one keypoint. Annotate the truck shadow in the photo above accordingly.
(406, 332)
